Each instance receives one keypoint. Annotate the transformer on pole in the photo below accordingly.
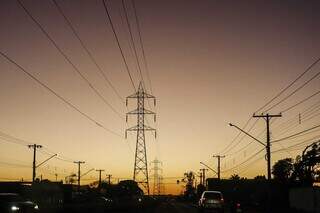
(140, 174)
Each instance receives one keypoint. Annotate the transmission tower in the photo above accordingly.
(140, 174)
(157, 178)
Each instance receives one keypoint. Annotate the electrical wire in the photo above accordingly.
(232, 147)
(132, 39)
(252, 156)
(296, 90)
(236, 137)
(68, 21)
(287, 87)
(57, 95)
(142, 46)
(300, 102)
(296, 134)
(68, 59)
(118, 43)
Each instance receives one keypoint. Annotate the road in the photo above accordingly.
(175, 207)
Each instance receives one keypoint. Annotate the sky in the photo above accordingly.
(209, 63)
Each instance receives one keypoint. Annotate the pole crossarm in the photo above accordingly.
(263, 144)
(46, 160)
(137, 128)
(267, 115)
(141, 95)
(143, 111)
(144, 127)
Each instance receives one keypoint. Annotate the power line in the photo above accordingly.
(298, 144)
(296, 134)
(131, 39)
(280, 93)
(250, 164)
(15, 164)
(252, 156)
(291, 123)
(296, 90)
(57, 95)
(287, 87)
(141, 43)
(244, 147)
(118, 43)
(236, 137)
(252, 126)
(302, 101)
(68, 21)
(67, 58)
(10, 139)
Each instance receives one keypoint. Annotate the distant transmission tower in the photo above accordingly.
(140, 174)
(157, 178)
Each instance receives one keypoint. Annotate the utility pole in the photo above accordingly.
(200, 176)
(219, 164)
(100, 171)
(203, 175)
(140, 174)
(109, 179)
(35, 147)
(79, 177)
(267, 118)
(156, 177)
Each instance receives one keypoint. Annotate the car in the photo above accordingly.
(211, 201)
(12, 202)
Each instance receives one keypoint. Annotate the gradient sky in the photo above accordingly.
(211, 62)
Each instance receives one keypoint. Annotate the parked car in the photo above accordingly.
(211, 201)
(11, 202)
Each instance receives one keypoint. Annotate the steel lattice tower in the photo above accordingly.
(140, 174)
(157, 178)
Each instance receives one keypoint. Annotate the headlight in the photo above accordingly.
(139, 199)
(36, 207)
(14, 208)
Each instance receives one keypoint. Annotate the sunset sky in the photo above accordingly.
(210, 63)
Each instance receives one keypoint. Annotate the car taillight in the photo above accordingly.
(238, 205)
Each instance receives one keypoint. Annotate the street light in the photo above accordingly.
(267, 146)
(209, 167)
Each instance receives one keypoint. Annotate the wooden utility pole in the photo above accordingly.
(35, 147)
(100, 171)
(267, 118)
(79, 177)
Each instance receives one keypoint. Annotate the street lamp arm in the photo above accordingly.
(209, 167)
(230, 124)
(87, 172)
(46, 160)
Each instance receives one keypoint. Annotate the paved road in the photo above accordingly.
(175, 207)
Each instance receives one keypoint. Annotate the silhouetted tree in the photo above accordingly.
(260, 177)
(189, 178)
(306, 166)
(235, 177)
(283, 169)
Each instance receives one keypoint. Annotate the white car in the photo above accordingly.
(211, 200)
